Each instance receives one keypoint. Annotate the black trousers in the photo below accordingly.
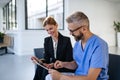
(40, 73)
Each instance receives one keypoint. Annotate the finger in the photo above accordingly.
(34, 58)
(50, 71)
(59, 64)
(56, 63)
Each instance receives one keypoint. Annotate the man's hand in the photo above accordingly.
(58, 64)
(55, 74)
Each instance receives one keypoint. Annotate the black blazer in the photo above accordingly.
(64, 50)
(64, 53)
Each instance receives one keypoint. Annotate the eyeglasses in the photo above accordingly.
(75, 29)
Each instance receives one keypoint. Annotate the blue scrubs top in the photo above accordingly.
(94, 55)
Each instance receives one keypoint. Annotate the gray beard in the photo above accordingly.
(79, 37)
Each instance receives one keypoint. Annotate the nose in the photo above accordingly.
(49, 32)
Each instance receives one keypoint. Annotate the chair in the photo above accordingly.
(5, 44)
(39, 52)
(114, 67)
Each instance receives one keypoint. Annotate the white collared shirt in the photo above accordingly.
(55, 47)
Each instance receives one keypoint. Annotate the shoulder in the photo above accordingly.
(47, 38)
(64, 37)
(100, 41)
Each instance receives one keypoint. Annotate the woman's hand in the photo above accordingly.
(49, 66)
(34, 59)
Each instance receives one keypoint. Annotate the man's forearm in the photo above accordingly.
(65, 77)
(70, 65)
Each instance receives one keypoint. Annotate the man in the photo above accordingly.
(90, 53)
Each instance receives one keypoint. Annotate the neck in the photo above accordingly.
(55, 38)
(85, 38)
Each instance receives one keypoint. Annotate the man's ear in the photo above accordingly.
(84, 28)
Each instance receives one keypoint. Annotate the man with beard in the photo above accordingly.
(90, 53)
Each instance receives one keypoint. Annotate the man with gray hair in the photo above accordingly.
(90, 53)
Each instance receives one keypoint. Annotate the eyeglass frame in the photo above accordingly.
(75, 29)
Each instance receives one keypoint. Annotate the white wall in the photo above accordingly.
(101, 15)
(1, 19)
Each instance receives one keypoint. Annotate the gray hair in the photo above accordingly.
(79, 18)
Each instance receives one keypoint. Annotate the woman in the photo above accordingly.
(56, 46)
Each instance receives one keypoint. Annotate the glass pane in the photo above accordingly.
(4, 17)
(55, 9)
(36, 12)
(14, 26)
(9, 16)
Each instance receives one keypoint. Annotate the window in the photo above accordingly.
(39, 9)
(9, 16)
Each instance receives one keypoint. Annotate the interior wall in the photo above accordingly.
(101, 14)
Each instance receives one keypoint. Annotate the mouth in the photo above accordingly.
(51, 33)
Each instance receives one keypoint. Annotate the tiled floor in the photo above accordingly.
(14, 67)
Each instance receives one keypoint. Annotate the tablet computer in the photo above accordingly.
(39, 63)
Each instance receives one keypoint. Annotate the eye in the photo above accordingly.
(50, 29)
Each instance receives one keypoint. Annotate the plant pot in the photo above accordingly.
(118, 39)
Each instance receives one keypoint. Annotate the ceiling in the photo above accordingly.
(115, 1)
(3, 2)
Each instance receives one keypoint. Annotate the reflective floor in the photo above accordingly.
(14, 67)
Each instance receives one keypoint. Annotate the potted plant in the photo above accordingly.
(117, 29)
(1, 37)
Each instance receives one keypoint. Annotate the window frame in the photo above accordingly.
(26, 16)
